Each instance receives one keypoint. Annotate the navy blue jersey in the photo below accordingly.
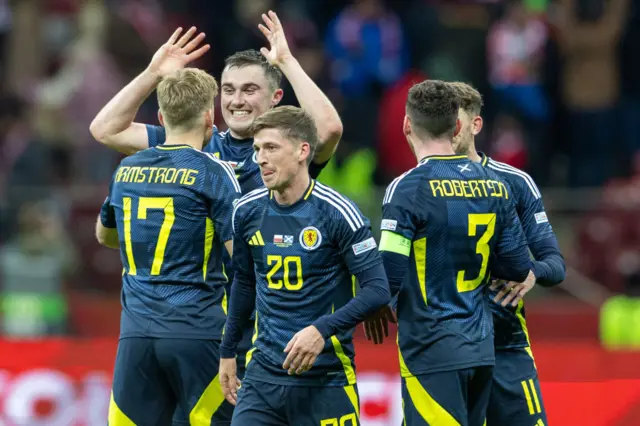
(302, 258)
(450, 214)
(238, 153)
(172, 206)
(509, 322)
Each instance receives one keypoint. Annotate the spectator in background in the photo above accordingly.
(515, 49)
(34, 266)
(367, 50)
(589, 33)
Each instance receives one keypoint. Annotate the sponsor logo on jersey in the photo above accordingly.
(310, 238)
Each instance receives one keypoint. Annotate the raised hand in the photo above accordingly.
(279, 51)
(177, 52)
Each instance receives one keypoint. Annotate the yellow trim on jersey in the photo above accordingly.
(428, 408)
(353, 397)
(446, 157)
(420, 253)
(209, 402)
(253, 341)
(395, 243)
(525, 330)
(208, 241)
(534, 393)
(173, 147)
(527, 396)
(313, 183)
(540, 423)
(344, 359)
(353, 285)
(484, 161)
(116, 416)
(404, 370)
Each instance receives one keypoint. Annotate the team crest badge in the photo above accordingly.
(310, 238)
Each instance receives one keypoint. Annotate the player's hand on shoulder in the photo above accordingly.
(302, 350)
(272, 29)
(376, 327)
(229, 379)
(512, 292)
(177, 52)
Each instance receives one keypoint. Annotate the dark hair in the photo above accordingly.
(432, 107)
(250, 57)
(293, 122)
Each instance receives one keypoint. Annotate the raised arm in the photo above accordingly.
(114, 126)
(309, 95)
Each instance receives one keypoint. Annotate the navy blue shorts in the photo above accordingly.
(515, 395)
(159, 382)
(266, 404)
(458, 397)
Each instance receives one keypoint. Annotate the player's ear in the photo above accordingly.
(458, 127)
(406, 126)
(277, 97)
(160, 118)
(305, 152)
(208, 119)
(478, 123)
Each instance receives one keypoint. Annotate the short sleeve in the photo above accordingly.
(397, 209)
(355, 240)
(156, 135)
(107, 212)
(223, 190)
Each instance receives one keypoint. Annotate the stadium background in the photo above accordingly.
(562, 90)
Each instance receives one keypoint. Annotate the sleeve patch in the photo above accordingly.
(541, 217)
(389, 225)
(364, 246)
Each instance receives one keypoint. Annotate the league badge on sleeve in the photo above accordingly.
(310, 238)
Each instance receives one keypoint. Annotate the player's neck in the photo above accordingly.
(193, 139)
(433, 147)
(473, 154)
(240, 136)
(293, 192)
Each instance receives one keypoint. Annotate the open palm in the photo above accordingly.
(176, 53)
(275, 34)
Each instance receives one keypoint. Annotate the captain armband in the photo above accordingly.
(395, 243)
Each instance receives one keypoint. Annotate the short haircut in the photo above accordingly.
(250, 57)
(184, 95)
(432, 106)
(469, 98)
(293, 122)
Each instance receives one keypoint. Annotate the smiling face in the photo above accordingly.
(280, 159)
(246, 95)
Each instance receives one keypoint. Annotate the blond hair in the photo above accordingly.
(469, 98)
(184, 95)
(293, 122)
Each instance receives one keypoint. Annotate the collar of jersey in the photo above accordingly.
(173, 147)
(306, 196)
(442, 157)
(484, 158)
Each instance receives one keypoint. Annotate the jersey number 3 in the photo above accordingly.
(482, 248)
(290, 263)
(144, 204)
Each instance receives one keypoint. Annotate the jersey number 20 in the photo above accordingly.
(289, 263)
(482, 248)
(144, 204)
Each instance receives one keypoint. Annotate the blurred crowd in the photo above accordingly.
(561, 81)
